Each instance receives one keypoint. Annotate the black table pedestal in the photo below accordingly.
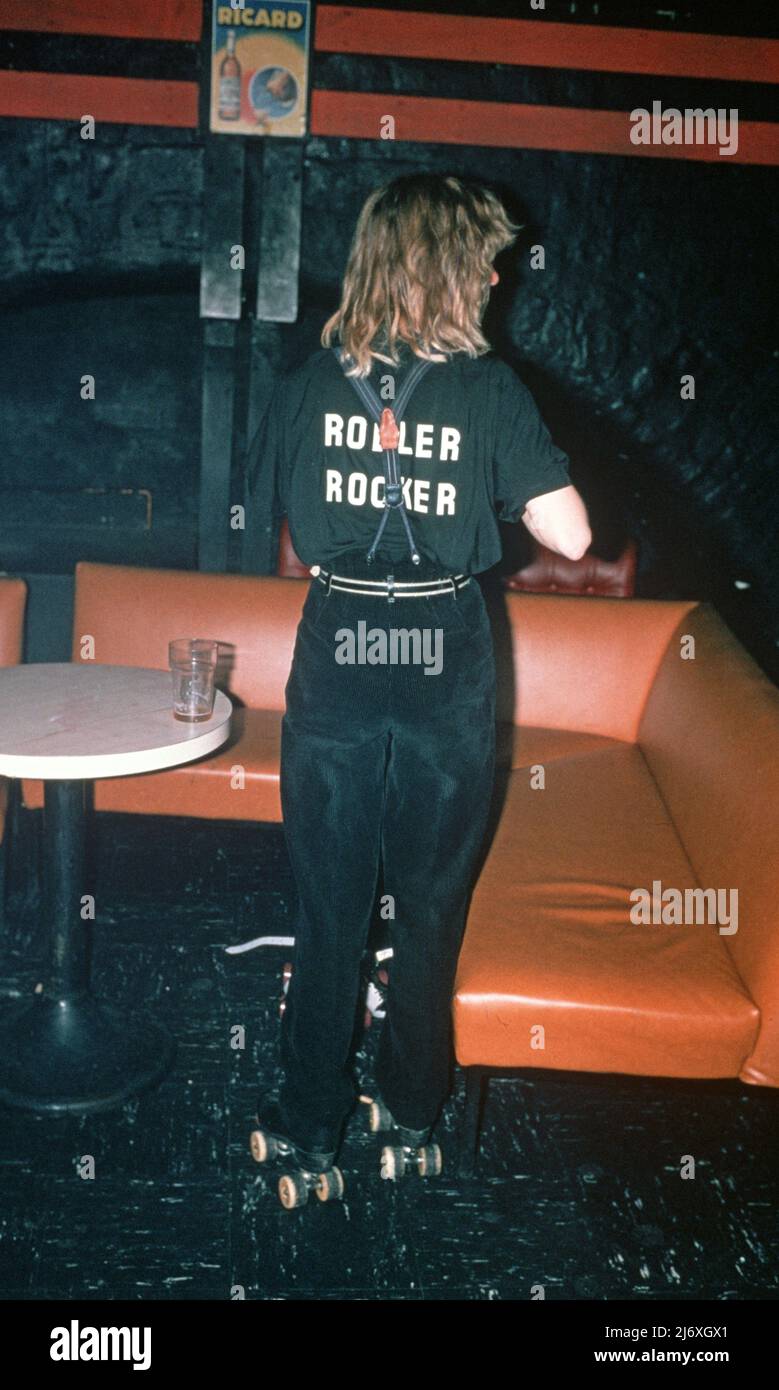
(64, 1052)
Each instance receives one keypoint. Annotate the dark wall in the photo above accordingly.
(654, 268)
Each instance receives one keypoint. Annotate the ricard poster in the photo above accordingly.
(259, 68)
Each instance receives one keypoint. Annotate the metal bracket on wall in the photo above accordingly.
(223, 176)
(221, 284)
(282, 187)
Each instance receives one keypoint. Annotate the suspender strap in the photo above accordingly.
(393, 492)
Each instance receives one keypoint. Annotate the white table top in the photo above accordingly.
(70, 720)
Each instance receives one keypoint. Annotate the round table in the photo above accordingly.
(65, 1051)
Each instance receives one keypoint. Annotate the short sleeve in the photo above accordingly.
(526, 463)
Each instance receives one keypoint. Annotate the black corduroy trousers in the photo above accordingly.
(381, 760)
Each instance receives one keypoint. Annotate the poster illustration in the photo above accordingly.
(259, 68)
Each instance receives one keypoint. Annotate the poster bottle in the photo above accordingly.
(230, 83)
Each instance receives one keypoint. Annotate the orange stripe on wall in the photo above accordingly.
(416, 34)
(358, 115)
(127, 100)
(444, 121)
(122, 19)
(528, 43)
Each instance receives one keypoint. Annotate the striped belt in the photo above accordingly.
(390, 586)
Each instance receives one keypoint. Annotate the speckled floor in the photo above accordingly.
(579, 1189)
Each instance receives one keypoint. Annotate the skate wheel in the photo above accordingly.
(293, 1191)
(379, 1117)
(430, 1161)
(263, 1146)
(331, 1185)
(393, 1163)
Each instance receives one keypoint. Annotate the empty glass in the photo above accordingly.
(193, 665)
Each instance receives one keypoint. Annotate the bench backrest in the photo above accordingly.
(586, 664)
(710, 734)
(133, 613)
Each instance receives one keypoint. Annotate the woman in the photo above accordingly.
(391, 758)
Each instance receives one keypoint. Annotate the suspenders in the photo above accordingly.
(389, 436)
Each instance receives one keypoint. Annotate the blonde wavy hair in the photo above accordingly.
(419, 271)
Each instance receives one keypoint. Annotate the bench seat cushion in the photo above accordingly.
(549, 939)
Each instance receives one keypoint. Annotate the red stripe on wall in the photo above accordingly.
(528, 43)
(443, 121)
(127, 100)
(122, 19)
(415, 34)
(358, 115)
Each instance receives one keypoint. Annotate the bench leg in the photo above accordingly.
(470, 1124)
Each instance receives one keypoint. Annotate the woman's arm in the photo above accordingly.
(559, 520)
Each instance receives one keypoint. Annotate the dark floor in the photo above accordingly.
(579, 1191)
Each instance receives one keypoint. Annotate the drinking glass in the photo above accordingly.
(193, 665)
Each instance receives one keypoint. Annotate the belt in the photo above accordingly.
(390, 586)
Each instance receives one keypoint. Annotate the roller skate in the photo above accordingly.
(409, 1150)
(310, 1169)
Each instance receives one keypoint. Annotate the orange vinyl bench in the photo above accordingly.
(656, 768)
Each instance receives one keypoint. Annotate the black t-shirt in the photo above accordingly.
(473, 449)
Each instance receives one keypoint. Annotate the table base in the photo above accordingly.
(77, 1055)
